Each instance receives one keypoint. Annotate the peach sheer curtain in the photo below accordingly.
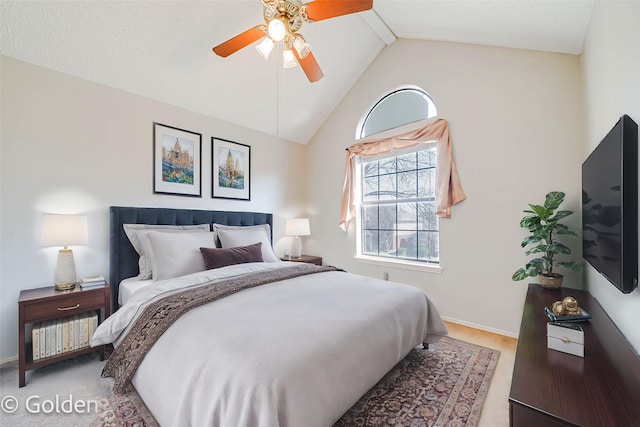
(448, 188)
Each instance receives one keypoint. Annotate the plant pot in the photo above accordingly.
(550, 281)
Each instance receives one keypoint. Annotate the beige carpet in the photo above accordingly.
(444, 386)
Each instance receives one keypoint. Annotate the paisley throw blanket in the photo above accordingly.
(159, 316)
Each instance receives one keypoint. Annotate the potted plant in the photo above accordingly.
(543, 222)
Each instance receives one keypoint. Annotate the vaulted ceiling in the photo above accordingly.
(162, 49)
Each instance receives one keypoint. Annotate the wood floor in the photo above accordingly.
(495, 412)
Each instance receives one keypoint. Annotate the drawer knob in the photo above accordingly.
(68, 308)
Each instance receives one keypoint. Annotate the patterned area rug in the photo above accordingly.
(443, 386)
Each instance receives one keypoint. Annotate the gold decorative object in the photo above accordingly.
(567, 307)
(558, 308)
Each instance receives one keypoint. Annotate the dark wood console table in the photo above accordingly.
(551, 388)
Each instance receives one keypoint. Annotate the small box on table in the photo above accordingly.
(565, 337)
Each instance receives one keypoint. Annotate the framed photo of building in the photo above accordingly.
(177, 161)
(230, 170)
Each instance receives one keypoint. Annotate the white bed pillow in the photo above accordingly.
(177, 254)
(134, 231)
(233, 236)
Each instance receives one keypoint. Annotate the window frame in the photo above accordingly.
(411, 264)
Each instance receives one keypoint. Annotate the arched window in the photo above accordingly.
(396, 216)
(399, 107)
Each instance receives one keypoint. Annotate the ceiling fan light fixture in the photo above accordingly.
(289, 59)
(302, 47)
(265, 47)
(277, 29)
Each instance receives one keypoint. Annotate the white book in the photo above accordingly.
(85, 329)
(52, 341)
(35, 341)
(65, 335)
(76, 331)
(59, 336)
(90, 279)
(72, 329)
(47, 339)
(93, 325)
(92, 285)
(42, 339)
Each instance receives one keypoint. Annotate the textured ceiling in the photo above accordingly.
(162, 49)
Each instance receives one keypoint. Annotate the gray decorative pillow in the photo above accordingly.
(217, 257)
(177, 254)
(233, 236)
(136, 234)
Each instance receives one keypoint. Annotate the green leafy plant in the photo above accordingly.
(545, 228)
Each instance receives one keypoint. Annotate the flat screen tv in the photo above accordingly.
(610, 206)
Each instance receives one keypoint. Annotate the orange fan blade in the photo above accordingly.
(238, 42)
(325, 9)
(309, 66)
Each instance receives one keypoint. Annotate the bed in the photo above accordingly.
(267, 343)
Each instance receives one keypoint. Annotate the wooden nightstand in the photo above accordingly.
(37, 305)
(317, 260)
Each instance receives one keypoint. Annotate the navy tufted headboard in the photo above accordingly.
(123, 262)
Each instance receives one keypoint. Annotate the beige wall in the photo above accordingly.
(515, 121)
(611, 73)
(73, 146)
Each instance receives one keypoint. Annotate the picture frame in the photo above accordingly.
(177, 161)
(230, 170)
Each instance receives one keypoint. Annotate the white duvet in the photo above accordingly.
(297, 352)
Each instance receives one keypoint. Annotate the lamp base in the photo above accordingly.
(65, 286)
(65, 276)
(296, 247)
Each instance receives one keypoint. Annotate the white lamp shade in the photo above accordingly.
(63, 230)
(288, 59)
(297, 227)
(265, 47)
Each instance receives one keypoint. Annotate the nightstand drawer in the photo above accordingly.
(66, 306)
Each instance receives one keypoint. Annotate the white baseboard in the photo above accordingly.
(8, 360)
(481, 327)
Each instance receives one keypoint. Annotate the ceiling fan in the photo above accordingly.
(283, 19)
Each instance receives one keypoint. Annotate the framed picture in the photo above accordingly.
(177, 161)
(230, 170)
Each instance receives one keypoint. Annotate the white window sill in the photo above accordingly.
(402, 264)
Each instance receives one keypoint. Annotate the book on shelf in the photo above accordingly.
(59, 336)
(35, 341)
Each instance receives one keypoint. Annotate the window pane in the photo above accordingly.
(426, 183)
(387, 165)
(387, 244)
(370, 168)
(428, 246)
(371, 217)
(387, 217)
(406, 105)
(370, 190)
(427, 158)
(427, 219)
(370, 243)
(407, 244)
(387, 187)
(407, 218)
(407, 186)
(407, 162)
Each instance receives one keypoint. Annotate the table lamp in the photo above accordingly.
(64, 230)
(297, 227)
